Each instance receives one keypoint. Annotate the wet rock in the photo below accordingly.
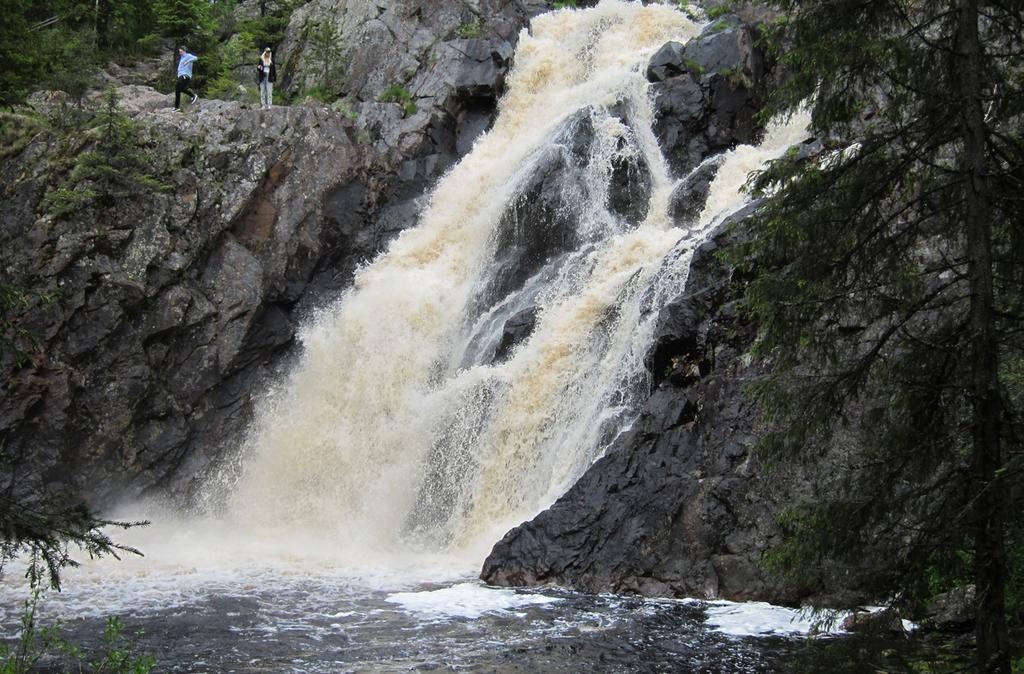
(481, 71)
(667, 62)
(680, 504)
(953, 610)
(733, 113)
(543, 222)
(873, 622)
(706, 94)
(687, 200)
(718, 49)
(517, 329)
(659, 509)
(630, 182)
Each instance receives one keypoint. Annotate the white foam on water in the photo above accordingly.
(466, 600)
(726, 194)
(758, 619)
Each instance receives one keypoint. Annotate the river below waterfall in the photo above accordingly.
(293, 620)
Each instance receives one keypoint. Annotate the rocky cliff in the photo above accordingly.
(140, 332)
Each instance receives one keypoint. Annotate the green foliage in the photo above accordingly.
(34, 643)
(693, 66)
(870, 269)
(718, 11)
(18, 347)
(114, 169)
(73, 68)
(45, 528)
(470, 29)
(799, 557)
(948, 571)
(267, 30)
(396, 93)
(326, 55)
(189, 22)
(692, 12)
(343, 108)
(717, 27)
(17, 129)
(319, 94)
(565, 4)
(264, 31)
(119, 656)
(58, 43)
(226, 59)
(737, 76)
(1015, 579)
(64, 201)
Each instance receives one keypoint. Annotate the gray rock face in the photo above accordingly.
(166, 310)
(669, 61)
(159, 320)
(706, 94)
(450, 59)
(671, 509)
(953, 610)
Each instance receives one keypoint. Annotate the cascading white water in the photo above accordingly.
(396, 431)
(391, 430)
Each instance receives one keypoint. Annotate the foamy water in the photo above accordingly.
(384, 437)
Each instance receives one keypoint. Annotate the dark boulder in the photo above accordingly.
(954, 610)
(667, 62)
(687, 200)
(707, 93)
(517, 329)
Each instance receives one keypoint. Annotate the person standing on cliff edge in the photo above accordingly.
(266, 73)
(184, 83)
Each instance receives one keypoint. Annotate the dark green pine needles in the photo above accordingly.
(888, 286)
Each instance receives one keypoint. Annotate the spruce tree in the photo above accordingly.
(890, 283)
(183, 20)
(112, 170)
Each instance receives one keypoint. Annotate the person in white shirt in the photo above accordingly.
(184, 84)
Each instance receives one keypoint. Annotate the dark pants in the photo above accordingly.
(184, 85)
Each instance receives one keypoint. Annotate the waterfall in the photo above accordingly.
(407, 425)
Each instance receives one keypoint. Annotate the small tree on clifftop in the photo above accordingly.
(890, 285)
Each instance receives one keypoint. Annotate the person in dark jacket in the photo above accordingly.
(266, 73)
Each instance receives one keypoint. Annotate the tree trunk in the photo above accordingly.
(989, 544)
